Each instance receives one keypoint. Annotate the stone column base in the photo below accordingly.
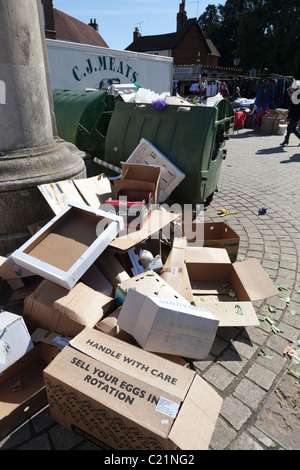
(21, 203)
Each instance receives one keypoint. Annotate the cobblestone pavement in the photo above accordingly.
(257, 172)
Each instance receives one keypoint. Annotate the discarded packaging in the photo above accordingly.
(65, 311)
(121, 397)
(22, 386)
(168, 326)
(92, 191)
(228, 290)
(136, 176)
(68, 245)
(15, 340)
(214, 235)
(171, 176)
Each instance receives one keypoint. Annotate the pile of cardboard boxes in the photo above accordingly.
(114, 311)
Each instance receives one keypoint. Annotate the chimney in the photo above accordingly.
(94, 25)
(136, 34)
(181, 16)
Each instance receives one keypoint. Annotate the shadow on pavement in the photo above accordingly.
(271, 151)
(241, 135)
(292, 159)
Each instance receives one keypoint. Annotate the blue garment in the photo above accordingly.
(265, 97)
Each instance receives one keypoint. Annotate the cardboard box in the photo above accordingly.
(212, 258)
(174, 271)
(135, 206)
(160, 220)
(215, 235)
(168, 326)
(15, 340)
(171, 176)
(91, 191)
(65, 311)
(22, 387)
(236, 286)
(138, 177)
(150, 284)
(68, 245)
(13, 273)
(109, 325)
(122, 397)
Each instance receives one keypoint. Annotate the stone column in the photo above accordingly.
(30, 153)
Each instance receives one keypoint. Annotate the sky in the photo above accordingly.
(117, 19)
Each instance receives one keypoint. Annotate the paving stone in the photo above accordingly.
(223, 435)
(245, 442)
(249, 393)
(37, 443)
(232, 361)
(262, 437)
(235, 412)
(23, 433)
(218, 376)
(275, 364)
(243, 347)
(288, 332)
(63, 439)
(261, 376)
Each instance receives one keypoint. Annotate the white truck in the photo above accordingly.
(75, 66)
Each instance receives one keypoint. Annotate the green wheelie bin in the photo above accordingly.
(192, 137)
(82, 118)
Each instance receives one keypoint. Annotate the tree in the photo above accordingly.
(264, 33)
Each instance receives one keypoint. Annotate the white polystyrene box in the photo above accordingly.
(15, 340)
(74, 244)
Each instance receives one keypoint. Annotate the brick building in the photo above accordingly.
(187, 45)
(59, 25)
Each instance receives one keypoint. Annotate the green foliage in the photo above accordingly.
(263, 33)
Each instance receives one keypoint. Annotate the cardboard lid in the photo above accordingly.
(255, 280)
(237, 314)
(206, 255)
(202, 405)
(151, 284)
(158, 220)
(95, 190)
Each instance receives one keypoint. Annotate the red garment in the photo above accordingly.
(239, 119)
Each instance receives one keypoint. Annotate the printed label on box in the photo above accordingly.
(167, 407)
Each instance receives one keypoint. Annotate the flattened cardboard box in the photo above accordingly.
(64, 249)
(121, 397)
(92, 191)
(12, 273)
